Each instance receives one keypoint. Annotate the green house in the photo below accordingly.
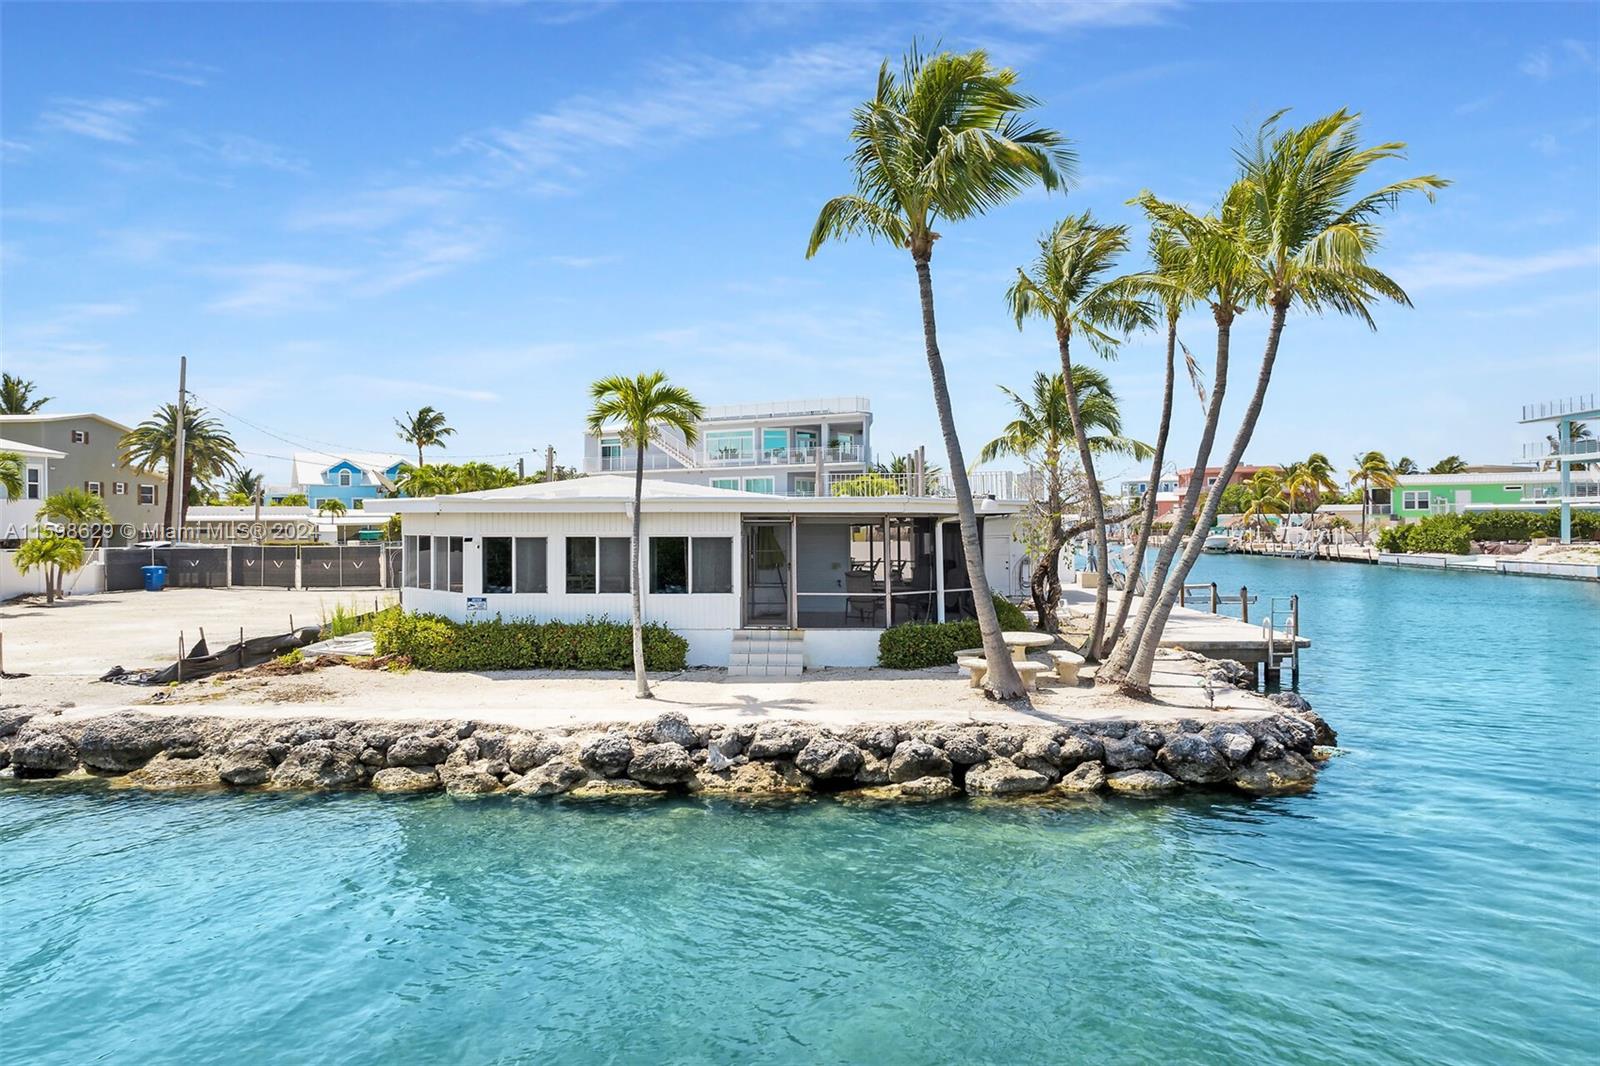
(1514, 488)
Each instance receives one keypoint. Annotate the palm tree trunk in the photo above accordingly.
(1046, 584)
(1137, 681)
(641, 684)
(419, 455)
(1128, 650)
(49, 585)
(1142, 543)
(1097, 505)
(1002, 679)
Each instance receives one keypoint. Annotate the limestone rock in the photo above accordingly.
(1141, 782)
(608, 755)
(118, 744)
(964, 749)
(1002, 777)
(662, 764)
(1232, 741)
(405, 779)
(1322, 733)
(915, 758)
(880, 740)
(715, 760)
(1005, 743)
(929, 788)
(419, 749)
(1077, 749)
(779, 741)
(1298, 733)
(182, 743)
(1040, 754)
(164, 772)
(1088, 777)
(524, 751)
(42, 752)
(672, 727)
(1190, 759)
(1275, 777)
(826, 757)
(560, 774)
(614, 788)
(1231, 672)
(319, 764)
(874, 770)
(12, 719)
(245, 762)
(469, 777)
(1127, 754)
(751, 779)
(1291, 701)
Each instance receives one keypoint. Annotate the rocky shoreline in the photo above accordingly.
(668, 755)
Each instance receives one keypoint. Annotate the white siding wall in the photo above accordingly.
(706, 620)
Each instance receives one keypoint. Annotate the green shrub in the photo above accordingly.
(918, 645)
(432, 642)
(1447, 534)
(1526, 525)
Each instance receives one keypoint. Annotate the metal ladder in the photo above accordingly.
(1288, 610)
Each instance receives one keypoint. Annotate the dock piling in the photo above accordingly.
(1244, 603)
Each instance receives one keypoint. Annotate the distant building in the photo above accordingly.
(17, 514)
(784, 448)
(87, 446)
(1241, 473)
(350, 478)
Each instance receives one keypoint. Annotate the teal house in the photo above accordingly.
(351, 479)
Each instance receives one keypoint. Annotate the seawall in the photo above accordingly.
(666, 755)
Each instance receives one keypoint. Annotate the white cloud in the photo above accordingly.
(425, 254)
(374, 208)
(266, 288)
(239, 150)
(1442, 270)
(194, 75)
(1046, 16)
(681, 101)
(1564, 57)
(103, 119)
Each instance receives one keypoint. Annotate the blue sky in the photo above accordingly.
(341, 212)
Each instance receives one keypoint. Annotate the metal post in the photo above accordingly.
(1213, 597)
(1244, 603)
(241, 647)
(177, 453)
(549, 462)
(1294, 624)
(180, 655)
(888, 582)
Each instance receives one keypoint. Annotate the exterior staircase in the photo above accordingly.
(767, 653)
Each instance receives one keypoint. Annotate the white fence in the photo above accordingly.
(14, 583)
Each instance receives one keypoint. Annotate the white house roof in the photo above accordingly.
(309, 466)
(1513, 476)
(30, 419)
(611, 492)
(30, 451)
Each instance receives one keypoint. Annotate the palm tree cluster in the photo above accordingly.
(1372, 471)
(444, 479)
(16, 396)
(947, 137)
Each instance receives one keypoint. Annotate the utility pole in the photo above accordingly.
(180, 496)
(520, 474)
(549, 462)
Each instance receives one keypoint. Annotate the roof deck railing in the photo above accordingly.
(821, 405)
(1534, 412)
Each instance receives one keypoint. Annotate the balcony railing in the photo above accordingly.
(1572, 405)
(818, 405)
(1578, 490)
(1000, 484)
(1545, 452)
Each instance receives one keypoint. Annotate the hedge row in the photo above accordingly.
(1454, 534)
(435, 643)
(919, 645)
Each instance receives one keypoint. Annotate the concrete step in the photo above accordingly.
(767, 653)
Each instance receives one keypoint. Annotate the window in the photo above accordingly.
(759, 484)
(775, 445)
(326, 499)
(669, 565)
(805, 486)
(531, 575)
(1511, 488)
(33, 485)
(80, 436)
(93, 488)
(598, 564)
(711, 559)
(344, 479)
(725, 483)
(496, 565)
(805, 443)
(147, 494)
(611, 453)
(119, 488)
(1415, 500)
(683, 564)
(447, 564)
(420, 562)
(513, 564)
(731, 445)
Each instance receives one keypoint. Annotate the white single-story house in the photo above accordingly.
(835, 570)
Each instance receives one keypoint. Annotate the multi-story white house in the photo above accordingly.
(18, 516)
(787, 448)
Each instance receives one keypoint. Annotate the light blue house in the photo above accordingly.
(349, 478)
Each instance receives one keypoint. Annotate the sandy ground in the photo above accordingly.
(1561, 553)
(66, 648)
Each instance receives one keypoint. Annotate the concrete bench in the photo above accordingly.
(1066, 665)
(978, 667)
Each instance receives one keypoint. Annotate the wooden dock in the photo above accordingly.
(1214, 635)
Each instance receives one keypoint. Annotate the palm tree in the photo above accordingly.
(1406, 465)
(425, 429)
(639, 408)
(1066, 289)
(16, 396)
(942, 141)
(208, 452)
(1295, 480)
(1372, 470)
(56, 554)
(245, 482)
(904, 467)
(80, 511)
(332, 507)
(11, 474)
(1169, 285)
(1264, 495)
(1303, 241)
(1041, 432)
(1450, 464)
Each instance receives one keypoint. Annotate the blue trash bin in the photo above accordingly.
(155, 578)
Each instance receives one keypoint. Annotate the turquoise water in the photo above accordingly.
(1434, 900)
